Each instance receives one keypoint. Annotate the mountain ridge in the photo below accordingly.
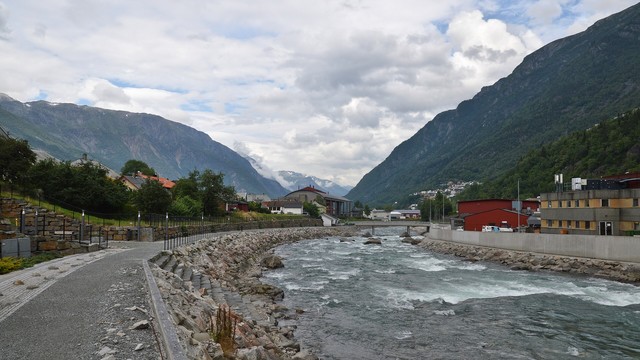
(66, 131)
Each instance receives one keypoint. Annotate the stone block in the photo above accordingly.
(48, 245)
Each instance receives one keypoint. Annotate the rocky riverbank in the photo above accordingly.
(233, 264)
(619, 271)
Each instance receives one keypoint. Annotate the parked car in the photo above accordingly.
(490, 228)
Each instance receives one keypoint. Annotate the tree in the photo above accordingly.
(84, 187)
(214, 193)
(16, 158)
(153, 197)
(357, 204)
(311, 209)
(133, 166)
(367, 210)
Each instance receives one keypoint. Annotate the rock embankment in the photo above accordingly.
(516, 260)
(231, 266)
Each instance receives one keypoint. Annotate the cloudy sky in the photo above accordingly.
(327, 88)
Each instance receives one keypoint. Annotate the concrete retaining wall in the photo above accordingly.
(614, 248)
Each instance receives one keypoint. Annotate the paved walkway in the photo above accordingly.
(80, 307)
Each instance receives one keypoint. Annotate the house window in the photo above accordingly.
(587, 225)
(586, 203)
(549, 223)
(568, 203)
(604, 202)
(635, 202)
(577, 224)
(577, 203)
(548, 204)
(559, 223)
(559, 203)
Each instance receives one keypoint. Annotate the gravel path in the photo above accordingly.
(82, 307)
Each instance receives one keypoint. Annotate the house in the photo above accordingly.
(328, 220)
(409, 214)
(336, 206)
(236, 206)
(85, 160)
(284, 206)
(134, 182)
(606, 206)
(495, 217)
(376, 214)
(474, 214)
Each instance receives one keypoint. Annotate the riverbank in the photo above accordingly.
(233, 264)
(517, 260)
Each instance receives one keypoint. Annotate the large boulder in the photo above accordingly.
(272, 262)
(374, 241)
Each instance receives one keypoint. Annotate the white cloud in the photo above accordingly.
(323, 88)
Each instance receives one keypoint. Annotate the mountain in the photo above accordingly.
(294, 181)
(612, 147)
(67, 131)
(568, 85)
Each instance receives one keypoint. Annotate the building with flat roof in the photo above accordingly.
(606, 206)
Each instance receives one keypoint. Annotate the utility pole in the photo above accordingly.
(443, 206)
(518, 205)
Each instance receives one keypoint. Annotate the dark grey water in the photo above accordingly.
(396, 301)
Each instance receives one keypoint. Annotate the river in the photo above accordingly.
(398, 301)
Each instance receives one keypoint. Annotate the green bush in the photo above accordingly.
(9, 264)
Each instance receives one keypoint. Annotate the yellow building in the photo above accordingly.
(605, 207)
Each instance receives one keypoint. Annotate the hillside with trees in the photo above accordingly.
(611, 147)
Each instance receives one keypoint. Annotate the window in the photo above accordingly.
(548, 204)
(577, 224)
(568, 203)
(586, 203)
(604, 202)
(549, 223)
(587, 225)
(577, 203)
(559, 223)
(559, 203)
(635, 202)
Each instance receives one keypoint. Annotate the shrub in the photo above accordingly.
(224, 330)
(9, 264)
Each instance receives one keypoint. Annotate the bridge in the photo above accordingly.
(392, 223)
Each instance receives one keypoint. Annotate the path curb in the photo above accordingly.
(167, 330)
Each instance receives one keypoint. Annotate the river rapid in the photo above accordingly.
(398, 301)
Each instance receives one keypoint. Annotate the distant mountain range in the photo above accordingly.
(294, 181)
(67, 131)
(566, 86)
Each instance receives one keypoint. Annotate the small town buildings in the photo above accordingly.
(284, 206)
(336, 206)
(236, 206)
(404, 214)
(134, 182)
(606, 206)
(474, 214)
(377, 214)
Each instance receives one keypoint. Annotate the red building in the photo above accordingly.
(477, 213)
